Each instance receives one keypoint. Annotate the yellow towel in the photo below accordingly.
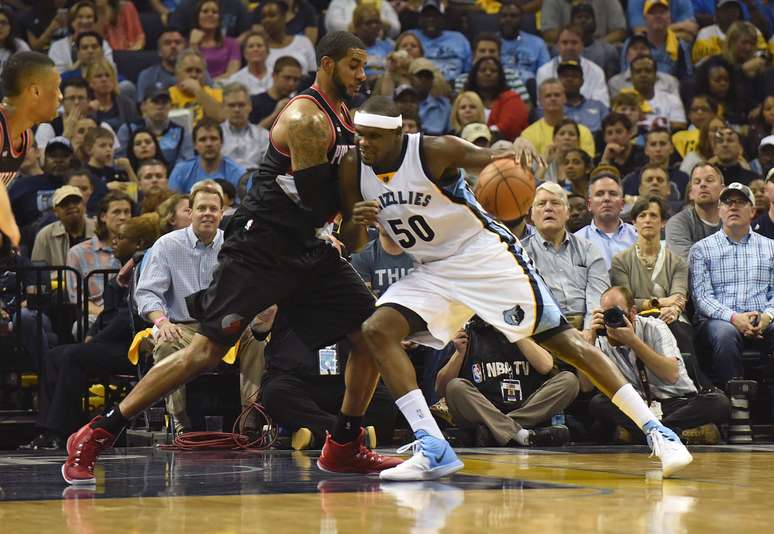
(672, 44)
(134, 348)
(490, 7)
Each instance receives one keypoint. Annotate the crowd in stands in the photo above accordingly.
(655, 119)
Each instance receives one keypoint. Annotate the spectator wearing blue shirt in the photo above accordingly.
(585, 111)
(175, 143)
(448, 50)
(669, 49)
(434, 110)
(732, 283)
(209, 164)
(606, 202)
(367, 24)
(683, 21)
(162, 75)
(520, 50)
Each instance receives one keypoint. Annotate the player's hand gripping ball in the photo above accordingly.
(506, 188)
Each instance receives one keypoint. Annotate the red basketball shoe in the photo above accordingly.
(353, 457)
(83, 447)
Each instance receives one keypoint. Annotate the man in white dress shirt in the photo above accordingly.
(243, 142)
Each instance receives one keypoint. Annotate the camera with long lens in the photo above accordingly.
(614, 318)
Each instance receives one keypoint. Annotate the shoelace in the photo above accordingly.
(656, 441)
(415, 446)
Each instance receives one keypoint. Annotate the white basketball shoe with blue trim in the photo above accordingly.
(667, 447)
(433, 458)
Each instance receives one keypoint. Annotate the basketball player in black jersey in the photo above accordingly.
(273, 255)
(31, 88)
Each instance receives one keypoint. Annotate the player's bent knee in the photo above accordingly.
(377, 332)
(205, 353)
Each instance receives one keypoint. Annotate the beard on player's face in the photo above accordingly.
(340, 87)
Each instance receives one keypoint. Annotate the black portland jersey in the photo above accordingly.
(10, 157)
(273, 196)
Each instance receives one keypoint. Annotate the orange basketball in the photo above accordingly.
(505, 189)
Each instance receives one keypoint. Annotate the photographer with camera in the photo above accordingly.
(646, 353)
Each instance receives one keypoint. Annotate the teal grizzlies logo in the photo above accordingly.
(514, 316)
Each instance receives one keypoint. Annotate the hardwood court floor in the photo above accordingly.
(578, 489)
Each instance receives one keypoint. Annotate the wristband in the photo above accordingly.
(732, 317)
(159, 320)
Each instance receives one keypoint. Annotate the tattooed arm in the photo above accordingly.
(307, 133)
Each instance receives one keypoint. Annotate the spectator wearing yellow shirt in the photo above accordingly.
(189, 91)
(540, 133)
(702, 110)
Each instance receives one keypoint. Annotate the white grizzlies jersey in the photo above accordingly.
(429, 222)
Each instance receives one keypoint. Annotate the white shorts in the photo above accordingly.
(486, 277)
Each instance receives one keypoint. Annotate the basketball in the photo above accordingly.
(505, 189)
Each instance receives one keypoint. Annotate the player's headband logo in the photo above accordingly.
(371, 120)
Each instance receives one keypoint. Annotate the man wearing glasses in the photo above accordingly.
(75, 101)
(732, 283)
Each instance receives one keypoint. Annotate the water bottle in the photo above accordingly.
(557, 419)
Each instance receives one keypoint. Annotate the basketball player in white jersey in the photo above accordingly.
(466, 263)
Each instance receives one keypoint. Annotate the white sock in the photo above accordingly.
(522, 437)
(629, 402)
(416, 411)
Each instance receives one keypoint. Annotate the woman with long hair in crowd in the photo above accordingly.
(221, 52)
(703, 151)
(574, 171)
(566, 137)
(508, 115)
(108, 105)
(713, 78)
(466, 109)
(142, 146)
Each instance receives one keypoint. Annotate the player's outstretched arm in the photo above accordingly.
(7, 221)
(445, 155)
(356, 213)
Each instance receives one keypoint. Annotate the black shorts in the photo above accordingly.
(319, 293)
